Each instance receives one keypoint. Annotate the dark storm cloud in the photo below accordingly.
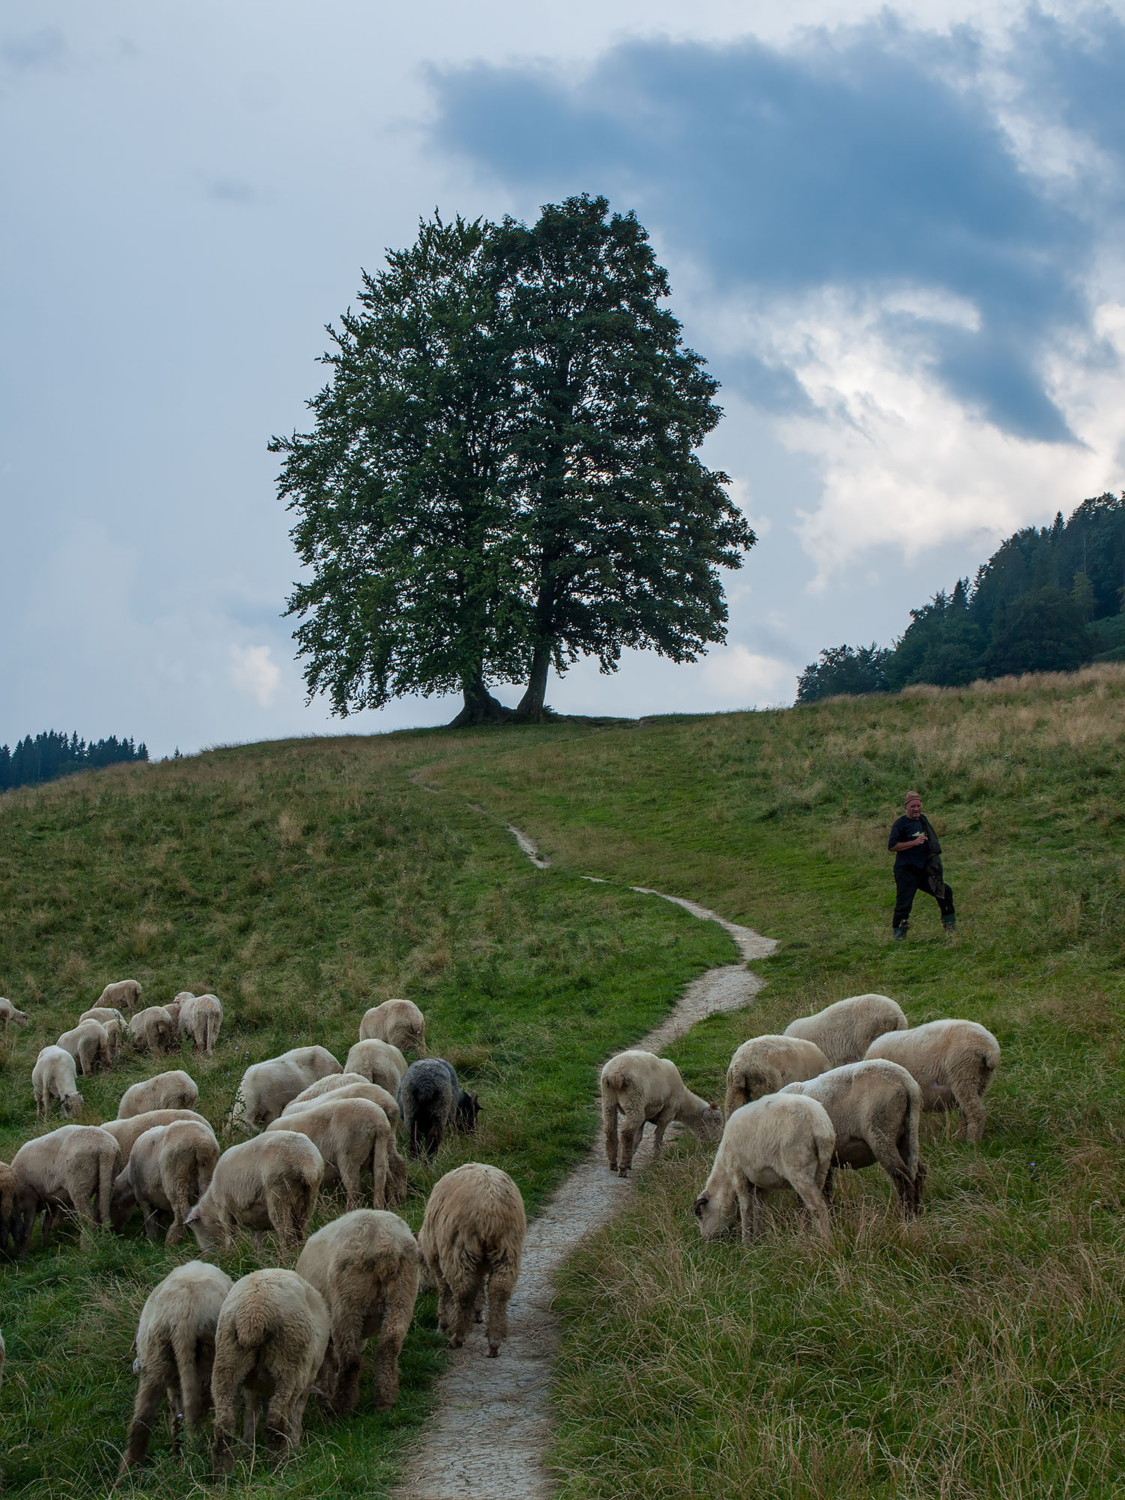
(867, 158)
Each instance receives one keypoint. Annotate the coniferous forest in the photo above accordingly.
(1049, 599)
(51, 755)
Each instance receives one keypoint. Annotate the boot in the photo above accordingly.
(900, 933)
(949, 923)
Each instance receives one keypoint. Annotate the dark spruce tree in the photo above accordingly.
(502, 473)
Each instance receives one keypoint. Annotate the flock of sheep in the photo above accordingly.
(844, 1087)
(268, 1338)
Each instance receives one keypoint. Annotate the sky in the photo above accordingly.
(893, 232)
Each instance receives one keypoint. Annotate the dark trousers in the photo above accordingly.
(909, 880)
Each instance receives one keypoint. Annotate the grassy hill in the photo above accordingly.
(978, 1352)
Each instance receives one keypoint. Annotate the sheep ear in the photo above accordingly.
(700, 1204)
(193, 1216)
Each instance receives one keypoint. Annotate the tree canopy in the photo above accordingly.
(51, 754)
(502, 475)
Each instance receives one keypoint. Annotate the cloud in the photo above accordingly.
(230, 190)
(876, 158)
(254, 672)
(35, 49)
(742, 676)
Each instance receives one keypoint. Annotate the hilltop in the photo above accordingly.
(979, 1352)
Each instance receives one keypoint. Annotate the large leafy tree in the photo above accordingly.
(502, 473)
(623, 528)
(403, 517)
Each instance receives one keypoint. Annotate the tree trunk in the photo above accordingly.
(480, 707)
(530, 708)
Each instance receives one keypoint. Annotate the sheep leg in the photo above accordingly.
(396, 1323)
(150, 1393)
(812, 1200)
(349, 1170)
(380, 1166)
(750, 1207)
(345, 1349)
(968, 1086)
(228, 1377)
(501, 1284)
(27, 1208)
(631, 1132)
(190, 1381)
(829, 1185)
(609, 1124)
(396, 1177)
(465, 1283)
(662, 1122)
(445, 1302)
(286, 1410)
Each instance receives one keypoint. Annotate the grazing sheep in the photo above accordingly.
(267, 1087)
(270, 1182)
(351, 1135)
(875, 1108)
(348, 1086)
(175, 1090)
(472, 1240)
(765, 1064)
(365, 1266)
(844, 1031)
(9, 1013)
(121, 993)
(200, 1018)
(431, 1101)
(646, 1087)
(377, 1061)
(9, 1221)
(114, 1022)
(399, 1022)
(169, 1169)
(127, 1132)
(783, 1140)
(88, 1044)
(175, 1352)
(952, 1061)
(64, 1170)
(270, 1342)
(53, 1078)
(154, 1029)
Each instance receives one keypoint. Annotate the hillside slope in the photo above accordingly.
(980, 1352)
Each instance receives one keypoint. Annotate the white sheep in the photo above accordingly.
(267, 1087)
(270, 1342)
(200, 1018)
(174, 1090)
(127, 1132)
(68, 1169)
(169, 1169)
(9, 1013)
(116, 1026)
(154, 1029)
(783, 1140)
(844, 1031)
(472, 1240)
(646, 1088)
(953, 1061)
(53, 1078)
(175, 1346)
(365, 1266)
(353, 1135)
(347, 1086)
(765, 1064)
(875, 1108)
(88, 1044)
(399, 1022)
(270, 1182)
(122, 993)
(377, 1061)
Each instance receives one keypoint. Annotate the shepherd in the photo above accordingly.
(917, 852)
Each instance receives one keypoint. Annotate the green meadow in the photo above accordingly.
(979, 1351)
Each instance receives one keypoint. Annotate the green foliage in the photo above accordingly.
(502, 474)
(1026, 611)
(51, 755)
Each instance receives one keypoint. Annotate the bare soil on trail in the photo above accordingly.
(491, 1429)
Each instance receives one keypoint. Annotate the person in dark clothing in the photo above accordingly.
(917, 853)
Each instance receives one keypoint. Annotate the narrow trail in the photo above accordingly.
(492, 1425)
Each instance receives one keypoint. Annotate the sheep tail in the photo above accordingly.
(106, 1174)
(191, 1391)
(252, 1321)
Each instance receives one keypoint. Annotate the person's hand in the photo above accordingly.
(921, 839)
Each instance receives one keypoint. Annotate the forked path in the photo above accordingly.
(491, 1427)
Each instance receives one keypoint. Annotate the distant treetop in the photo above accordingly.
(51, 755)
